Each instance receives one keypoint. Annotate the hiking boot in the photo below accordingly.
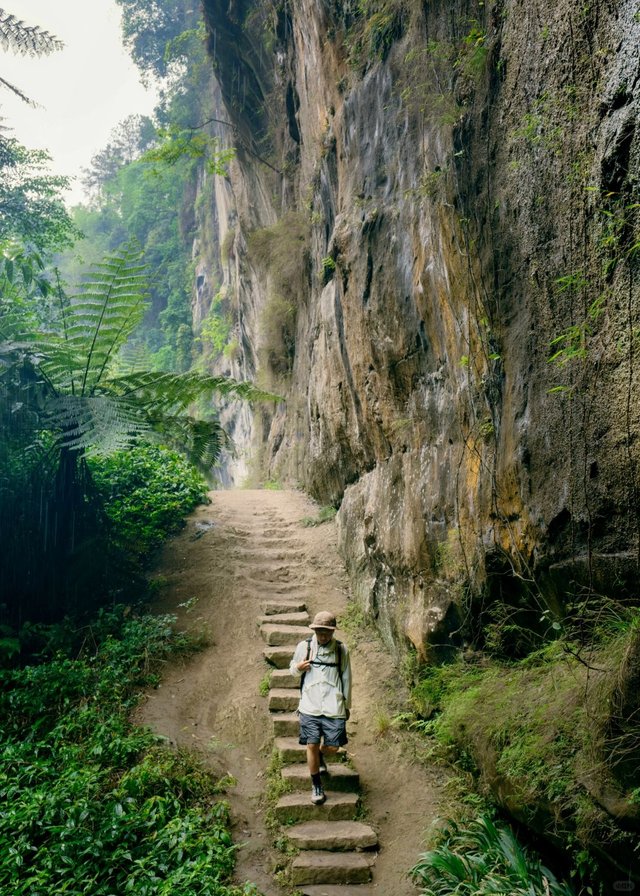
(323, 764)
(317, 795)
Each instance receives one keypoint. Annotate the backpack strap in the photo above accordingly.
(302, 677)
(338, 661)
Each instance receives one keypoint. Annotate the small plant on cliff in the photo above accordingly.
(281, 251)
(376, 26)
(484, 859)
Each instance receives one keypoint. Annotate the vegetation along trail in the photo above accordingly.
(243, 548)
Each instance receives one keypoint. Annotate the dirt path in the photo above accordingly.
(245, 546)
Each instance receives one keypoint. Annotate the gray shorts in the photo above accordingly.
(314, 729)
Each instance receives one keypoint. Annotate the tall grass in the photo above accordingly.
(483, 859)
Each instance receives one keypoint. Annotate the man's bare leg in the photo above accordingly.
(313, 758)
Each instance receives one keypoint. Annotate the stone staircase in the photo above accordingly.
(336, 852)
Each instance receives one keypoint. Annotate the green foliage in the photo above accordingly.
(549, 729)
(149, 30)
(426, 88)
(92, 411)
(32, 210)
(64, 397)
(484, 859)
(216, 327)
(573, 343)
(265, 685)
(435, 684)
(282, 251)
(29, 40)
(143, 185)
(147, 492)
(324, 515)
(92, 804)
(177, 144)
(376, 25)
(472, 56)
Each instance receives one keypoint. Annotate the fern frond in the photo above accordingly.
(29, 40)
(18, 93)
(100, 319)
(95, 424)
(176, 391)
(202, 441)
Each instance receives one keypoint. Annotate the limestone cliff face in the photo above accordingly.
(428, 202)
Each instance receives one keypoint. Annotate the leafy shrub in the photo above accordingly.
(92, 804)
(147, 493)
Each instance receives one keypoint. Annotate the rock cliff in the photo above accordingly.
(430, 244)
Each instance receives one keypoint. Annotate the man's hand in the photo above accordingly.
(304, 666)
(347, 713)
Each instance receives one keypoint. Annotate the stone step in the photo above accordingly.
(277, 590)
(296, 807)
(273, 607)
(258, 552)
(283, 699)
(285, 724)
(290, 750)
(299, 618)
(338, 890)
(333, 835)
(330, 868)
(280, 657)
(338, 777)
(282, 678)
(279, 635)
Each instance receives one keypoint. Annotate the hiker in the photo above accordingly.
(325, 696)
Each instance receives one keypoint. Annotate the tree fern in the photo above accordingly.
(92, 412)
(29, 40)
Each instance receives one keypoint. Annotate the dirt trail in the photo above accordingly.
(243, 547)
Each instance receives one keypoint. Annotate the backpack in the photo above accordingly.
(338, 664)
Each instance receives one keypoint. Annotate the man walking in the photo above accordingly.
(325, 696)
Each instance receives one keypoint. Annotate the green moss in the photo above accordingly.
(538, 734)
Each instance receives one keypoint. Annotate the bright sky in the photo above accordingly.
(85, 89)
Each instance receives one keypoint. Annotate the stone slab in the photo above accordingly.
(338, 777)
(291, 751)
(275, 607)
(333, 835)
(285, 590)
(285, 619)
(280, 657)
(330, 868)
(297, 807)
(340, 890)
(277, 635)
(283, 699)
(285, 724)
(282, 678)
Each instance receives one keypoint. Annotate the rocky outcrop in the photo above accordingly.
(468, 178)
